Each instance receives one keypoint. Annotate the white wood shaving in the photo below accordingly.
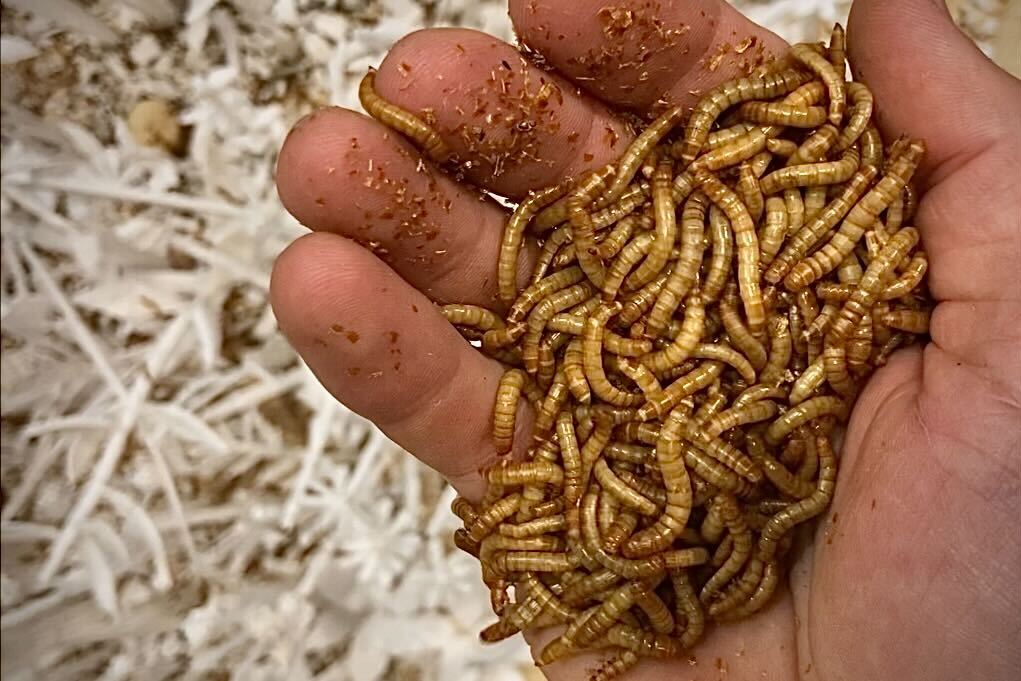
(181, 498)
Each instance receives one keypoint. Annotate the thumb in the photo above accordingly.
(931, 81)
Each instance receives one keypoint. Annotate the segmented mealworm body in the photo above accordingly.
(833, 81)
(836, 51)
(912, 321)
(685, 272)
(683, 387)
(403, 121)
(518, 473)
(781, 147)
(747, 247)
(738, 333)
(780, 348)
(666, 227)
(492, 515)
(656, 611)
(775, 229)
(739, 149)
(634, 251)
(691, 333)
(622, 232)
(781, 113)
(724, 96)
(737, 416)
(730, 514)
(861, 113)
(505, 409)
(643, 643)
(815, 146)
(727, 354)
(592, 360)
(582, 226)
(859, 344)
(628, 497)
(513, 234)
(812, 174)
(810, 380)
(632, 158)
(749, 190)
(719, 263)
(803, 413)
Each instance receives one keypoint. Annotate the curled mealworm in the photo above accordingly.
(691, 333)
(737, 416)
(403, 121)
(739, 149)
(655, 611)
(749, 190)
(541, 290)
(812, 174)
(861, 114)
(725, 136)
(747, 247)
(513, 234)
(719, 263)
(505, 409)
(472, 315)
(815, 146)
(644, 643)
(727, 95)
(685, 272)
(833, 81)
(666, 227)
(803, 413)
(738, 333)
(808, 382)
(583, 227)
(542, 313)
(592, 360)
(628, 497)
(779, 351)
(730, 515)
(756, 393)
(634, 251)
(728, 355)
(676, 392)
(622, 232)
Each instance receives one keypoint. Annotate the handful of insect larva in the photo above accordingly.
(700, 319)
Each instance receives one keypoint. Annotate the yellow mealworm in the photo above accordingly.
(749, 191)
(726, 454)
(586, 630)
(542, 313)
(629, 453)
(628, 203)
(577, 592)
(812, 174)
(737, 529)
(685, 272)
(642, 376)
(620, 529)
(861, 114)
(644, 643)
(859, 344)
(728, 355)
(781, 523)
(739, 590)
(403, 121)
(518, 473)
(646, 433)
(554, 400)
(505, 409)
(621, 233)
(655, 611)
(810, 380)
(665, 211)
(521, 615)
(712, 403)
(541, 290)
(795, 205)
(775, 229)
(513, 235)
(535, 527)
(489, 517)
(574, 372)
(615, 667)
(803, 413)
(464, 510)
(747, 247)
(570, 454)
(724, 96)
(871, 146)
(815, 201)
(686, 385)
(592, 360)
(864, 297)
(815, 146)
(858, 220)
(784, 480)
(582, 226)
(547, 254)
(759, 392)
(688, 608)
(737, 332)
(781, 113)
(806, 95)
(645, 487)
(504, 564)
(726, 136)
(849, 271)
(547, 451)
(607, 511)
(499, 542)
(912, 321)
(781, 147)
(558, 212)
(671, 522)
(723, 248)
(779, 351)
(632, 158)
(634, 251)
(738, 416)
(833, 80)
(628, 497)
(691, 333)
(638, 303)
(800, 243)
(472, 315)
(836, 51)
(735, 151)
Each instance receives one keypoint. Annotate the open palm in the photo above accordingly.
(914, 572)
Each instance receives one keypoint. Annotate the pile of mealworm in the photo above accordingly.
(687, 374)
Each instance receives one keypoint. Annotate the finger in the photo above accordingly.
(380, 347)
(645, 55)
(342, 172)
(931, 81)
(514, 126)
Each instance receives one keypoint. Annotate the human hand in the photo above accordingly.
(913, 574)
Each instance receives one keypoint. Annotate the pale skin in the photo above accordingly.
(914, 570)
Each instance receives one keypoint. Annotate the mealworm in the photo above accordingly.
(803, 413)
(725, 136)
(614, 667)
(715, 399)
(518, 473)
(583, 228)
(513, 235)
(726, 95)
(685, 272)
(805, 95)
(632, 158)
(912, 321)
(680, 349)
(630, 201)
(864, 297)
(833, 81)
(737, 416)
(542, 313)
(644, 643)
(815, 201)
(592, 360)
(504, 564)
(535, 527)
(607, 510)
(724, 453)
(740, 590)
(779, 351)
(642, 376)
(850, 271)
(647, 488)
(815, 146)
(574, 372)
(812, 174)
(505, 409)
(646, 433)
(781, 113)
(781, 147)
(541, 290)
(857, 221)
(621, 234)
(666, 227)
(871, 146)
(489, 517)
(774, 231)
(622, 527)
(795, 514)
(730, 515)
(719, 263)
(638, 303)
(747, 247)
(836, 52)
(635, 250)
(656, 611)
(472, 315)
(689, 608)
(759, 392)
(800, 243)
(628, 497)
(810, 380)
(859, 344)
(686, 385)
(629, 453)
(734, 151)
(737, 332)
(861, 114)
(403, 121)
(674, 517)
(784, 480)
(748, 189)
(795, 210)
